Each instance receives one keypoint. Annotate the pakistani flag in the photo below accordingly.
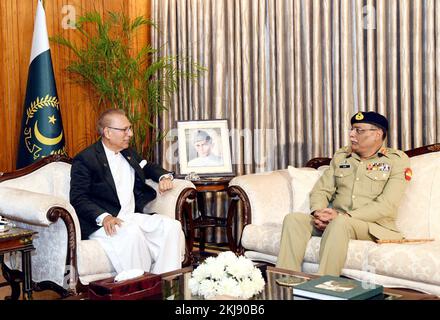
(41, 127)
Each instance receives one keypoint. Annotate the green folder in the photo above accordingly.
(337, 288)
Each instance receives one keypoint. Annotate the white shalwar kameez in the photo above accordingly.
(148, 242)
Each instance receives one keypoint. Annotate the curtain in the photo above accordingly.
(289, 74)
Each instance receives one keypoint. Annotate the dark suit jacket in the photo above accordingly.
(93, 191)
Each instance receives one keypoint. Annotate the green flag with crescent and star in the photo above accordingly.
(41, 127)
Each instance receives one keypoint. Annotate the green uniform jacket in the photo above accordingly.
(368, 190)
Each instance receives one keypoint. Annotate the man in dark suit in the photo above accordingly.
(109, 194)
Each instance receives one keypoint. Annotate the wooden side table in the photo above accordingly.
(203, 186)
(17, 239)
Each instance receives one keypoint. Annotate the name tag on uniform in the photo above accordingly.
(344, 165)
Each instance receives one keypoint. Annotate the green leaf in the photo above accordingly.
(140, 82)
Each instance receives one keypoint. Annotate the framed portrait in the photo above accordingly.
(204, 147)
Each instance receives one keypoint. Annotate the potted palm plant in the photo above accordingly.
(140, 82)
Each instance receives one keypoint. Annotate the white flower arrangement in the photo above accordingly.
(228, 275)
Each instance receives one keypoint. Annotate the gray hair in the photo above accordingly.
(105, 120)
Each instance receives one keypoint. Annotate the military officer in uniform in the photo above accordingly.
(356, 198)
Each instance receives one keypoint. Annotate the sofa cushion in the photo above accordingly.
(303, 180)
(262, 238)
(419, 210)
(356, 256)
(53, 179)
(50, 251)
(266, 239)
(92, 259)
(269, 193)
(416, 262)
(61, 179)
(37, 181)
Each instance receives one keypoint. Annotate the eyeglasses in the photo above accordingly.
(360, 131)
(126, 130)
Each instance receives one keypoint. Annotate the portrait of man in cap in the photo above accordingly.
(204, 144)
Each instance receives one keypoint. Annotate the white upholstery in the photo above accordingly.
(28, 206)
(166, 203)
(264, 195)
(419, 211)
(303, 180)
(53, 179)
(263, 238)
(418, 262)
(49, 264)
(92, 259)
(26, 201)
(409, 265)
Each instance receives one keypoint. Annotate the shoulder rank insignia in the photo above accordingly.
(359, 116)
(347, 150)
(408, 174)
(383, 151)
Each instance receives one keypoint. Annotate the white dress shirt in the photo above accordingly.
(123, 176)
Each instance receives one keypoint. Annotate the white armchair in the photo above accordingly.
(37, 198)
